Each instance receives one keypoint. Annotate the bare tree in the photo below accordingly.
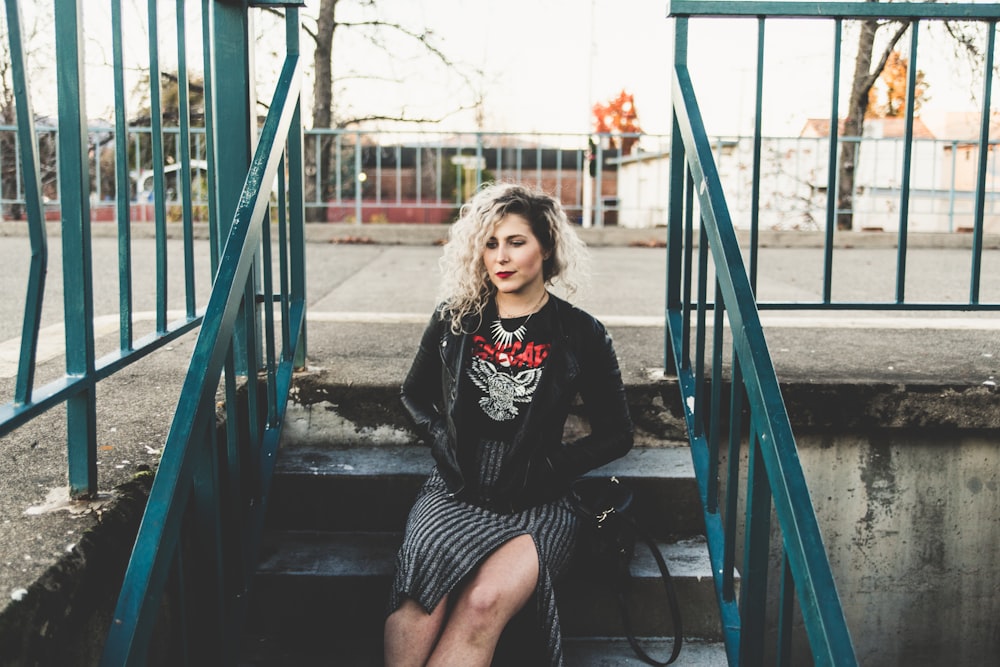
(322, 30)
(10, 173)
(967, 46)
(864, 78)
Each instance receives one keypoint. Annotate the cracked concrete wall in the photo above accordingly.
(911, 523)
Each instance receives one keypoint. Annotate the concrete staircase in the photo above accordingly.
(335, 518)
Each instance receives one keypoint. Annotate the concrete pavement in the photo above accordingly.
(369, 296)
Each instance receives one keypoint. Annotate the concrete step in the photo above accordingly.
(372, 488)
(578, 652)
(319, 585)
(616, 652)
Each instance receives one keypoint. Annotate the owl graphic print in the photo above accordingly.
(506, 374)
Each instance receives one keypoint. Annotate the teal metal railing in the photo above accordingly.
(201, 531)
(197, 544)
(742, 445)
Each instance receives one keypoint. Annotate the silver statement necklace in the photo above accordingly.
(504, 338)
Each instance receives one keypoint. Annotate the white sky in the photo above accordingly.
(546, 62)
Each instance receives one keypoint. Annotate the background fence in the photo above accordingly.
(424, 177)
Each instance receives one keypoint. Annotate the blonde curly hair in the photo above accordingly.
(466, 288)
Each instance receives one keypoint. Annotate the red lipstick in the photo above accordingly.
(504, 274)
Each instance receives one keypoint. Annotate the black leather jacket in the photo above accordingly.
(540, 466)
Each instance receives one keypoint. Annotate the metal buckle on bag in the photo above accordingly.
(611, 510)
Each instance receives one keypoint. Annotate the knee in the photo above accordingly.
(482, 600)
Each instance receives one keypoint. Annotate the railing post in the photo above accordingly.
(296, 182)
(675, 204)
(33, 207)
(234, 126)
(78, 297)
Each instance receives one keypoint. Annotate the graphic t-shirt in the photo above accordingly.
(504, 371)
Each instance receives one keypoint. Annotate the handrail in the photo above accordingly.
(774, 473)
(189, 486)
(803, 544)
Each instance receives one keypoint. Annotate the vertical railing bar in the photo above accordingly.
(78, 283)
(675, 212)
(184, 145)
(755, 187)
(688, 269)
(904, 204)
(831, 176)
(437, 174)
(296, 223)
(538, 166)
(715, 427)
(136, 164)
(286, 344)
(18, 193)
(234, 466)
(984, 137)
(378, 171)
(481, 161)
(215, 231)
(58, 157)
(459, 175)
(732, 477)
(94, 140)
(418, 152)
(159, 190)
(124, 189)
(499, 151)
(559, 163)
(337, 146)
(599, 184)
(249, 315)
(357, 178)
(268, 306)
(34, 208)
(399, 174)
(951, 187)
(699, 344)
(786, 610)
(753, 588)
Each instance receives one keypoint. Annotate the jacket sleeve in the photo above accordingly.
(606, 408)
(421, 390)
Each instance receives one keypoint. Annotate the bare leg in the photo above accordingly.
(497, 590)
(410, 633)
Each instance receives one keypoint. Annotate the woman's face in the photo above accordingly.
(514, 257)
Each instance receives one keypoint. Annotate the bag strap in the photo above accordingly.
(675, 608)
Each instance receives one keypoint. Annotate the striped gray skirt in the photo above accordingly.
(445, 539)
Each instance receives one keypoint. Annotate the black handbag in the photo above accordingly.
(608, 538)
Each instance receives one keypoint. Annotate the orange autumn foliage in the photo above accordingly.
(618, 116)
(888, 99)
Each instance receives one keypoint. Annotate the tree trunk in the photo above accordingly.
(854, 124)
(326, 24)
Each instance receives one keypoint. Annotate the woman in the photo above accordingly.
(490, 389)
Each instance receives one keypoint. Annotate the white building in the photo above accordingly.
(795, 179)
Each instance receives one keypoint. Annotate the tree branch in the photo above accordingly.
(399, 119)
(279, 13)
(886, 52)
(424, 38)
